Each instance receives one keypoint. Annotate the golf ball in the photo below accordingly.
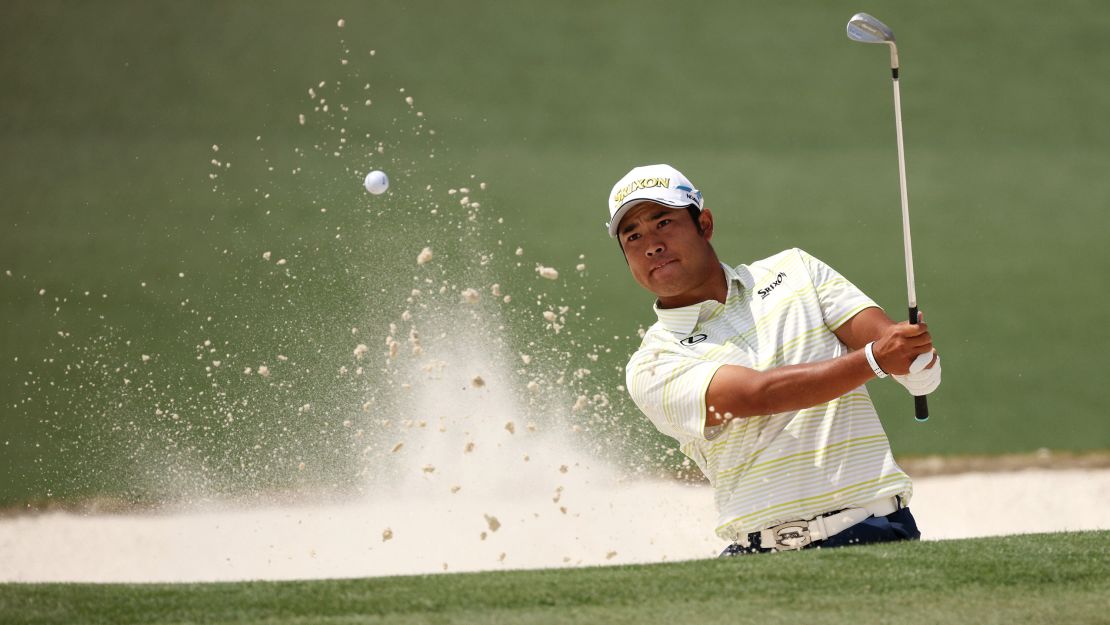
(376, 182)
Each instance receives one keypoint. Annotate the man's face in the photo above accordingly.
(665, 251)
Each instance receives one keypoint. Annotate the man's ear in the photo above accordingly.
(705, 218)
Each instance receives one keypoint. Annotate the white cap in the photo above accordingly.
(661, 184)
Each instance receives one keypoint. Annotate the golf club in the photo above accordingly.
(866, 29)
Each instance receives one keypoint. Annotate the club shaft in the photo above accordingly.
(906, 239)
(921, 404)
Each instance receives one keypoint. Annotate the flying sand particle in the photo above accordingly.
(263, 371)
(510, 427)
(547, 272)
(477, 382)
(396, 448)
(361, 350)
(341, 23)
(387, 534)
(265, 256)
(424, 256)
(494, 524)
(471, 296)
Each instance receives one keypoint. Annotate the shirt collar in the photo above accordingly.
(683, 320)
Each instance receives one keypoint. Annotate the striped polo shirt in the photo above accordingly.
(774, 468)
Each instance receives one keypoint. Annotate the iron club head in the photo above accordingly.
(866, 29)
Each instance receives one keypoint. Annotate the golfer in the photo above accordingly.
(758, 372)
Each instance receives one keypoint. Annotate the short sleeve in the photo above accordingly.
(840, 299)
(669, 387)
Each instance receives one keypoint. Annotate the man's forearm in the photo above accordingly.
(737, 391)
(794, 387)
(741, 392)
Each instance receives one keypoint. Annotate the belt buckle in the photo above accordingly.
(789, 536)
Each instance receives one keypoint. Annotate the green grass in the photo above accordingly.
(1047, 578)
(109, 113)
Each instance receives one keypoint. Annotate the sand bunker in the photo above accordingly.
(584, 524)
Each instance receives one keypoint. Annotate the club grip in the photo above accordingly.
(921, 407)
(920, 402)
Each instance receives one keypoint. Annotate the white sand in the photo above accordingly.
(641, 522)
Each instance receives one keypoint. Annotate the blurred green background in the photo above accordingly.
(110, 112)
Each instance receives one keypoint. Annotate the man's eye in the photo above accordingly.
(663, 222)
(632, 237)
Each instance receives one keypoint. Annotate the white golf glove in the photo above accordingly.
(921, 381)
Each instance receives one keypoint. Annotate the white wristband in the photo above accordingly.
(871, 360)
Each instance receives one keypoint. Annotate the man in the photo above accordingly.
(758, 372)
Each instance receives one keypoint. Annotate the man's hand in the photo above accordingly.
(924, 375)
(900, 344)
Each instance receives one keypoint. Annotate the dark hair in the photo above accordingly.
(695, 212)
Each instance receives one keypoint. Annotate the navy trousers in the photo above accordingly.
(898, 525)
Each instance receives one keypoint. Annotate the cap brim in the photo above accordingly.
(629, 205)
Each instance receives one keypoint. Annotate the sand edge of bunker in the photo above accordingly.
(915, 466)
(1047, 459)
